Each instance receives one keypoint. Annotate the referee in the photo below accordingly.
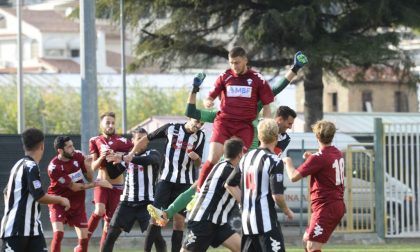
(21, 228)
(260, 176)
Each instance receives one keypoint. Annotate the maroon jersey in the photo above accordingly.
(62, 173)
(326, 168)
(115, 142)
(239, 94)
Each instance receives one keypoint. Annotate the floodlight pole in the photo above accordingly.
(19, 72)
(89, 91)
(124, 88)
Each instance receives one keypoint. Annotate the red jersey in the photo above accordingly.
(62, 173)
(239, 94)
(326, 168)
(115, 142)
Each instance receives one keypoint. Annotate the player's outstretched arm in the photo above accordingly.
(292, 173)
(299, 61)
(54, 199)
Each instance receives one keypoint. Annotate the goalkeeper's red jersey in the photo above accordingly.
(239, 94)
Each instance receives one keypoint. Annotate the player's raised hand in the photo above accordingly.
(114, 158)
(208, 103)
(198, 80)
(306, 154)
(193, 155)
(299, 61)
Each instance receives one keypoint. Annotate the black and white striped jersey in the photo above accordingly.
(141, 175)
(178, 167)
(22, 212)
(214, 203)
(260, 175)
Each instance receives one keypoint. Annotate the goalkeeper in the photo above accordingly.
(162, 216)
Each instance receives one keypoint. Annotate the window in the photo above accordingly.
(367, 101)
(334, 102)
(401, 102)
(75, 53)
(54, 53)
(3, 23)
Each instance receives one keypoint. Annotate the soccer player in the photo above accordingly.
(285, 117)
(21, 228)
(106, 200)
(139, 187)
(207, 223)
(66, 172)
(184, 149)
(209, 115)
(239, 89)
(260, 176)
(326, 168)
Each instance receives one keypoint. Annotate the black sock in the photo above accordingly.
(111, 237)
(160, 243)
(152, 234)
(177, 240)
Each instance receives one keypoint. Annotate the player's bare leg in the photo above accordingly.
(311, 246)
(95, 218)
(233, 243)
(83, 241)
(58, 234)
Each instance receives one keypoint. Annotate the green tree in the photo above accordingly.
(333, 33)
(144, 102)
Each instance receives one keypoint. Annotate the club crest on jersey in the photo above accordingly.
(249, 82)
(37, 184)
(75, 163)
(62, 180)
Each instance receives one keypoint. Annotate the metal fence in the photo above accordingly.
(402, 177)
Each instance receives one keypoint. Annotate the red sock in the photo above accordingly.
(93, 223)
(104, 234)
(82, 246)
(317, 251)
(56, 241)
(205, 170)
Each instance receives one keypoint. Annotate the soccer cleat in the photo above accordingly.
(192, 202)
(157, 215)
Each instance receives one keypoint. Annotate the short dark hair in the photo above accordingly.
(237, 51)
(284, 112)
(139, 129)
(31, 138)
(60, 142)
(109, 113)
(233, 147)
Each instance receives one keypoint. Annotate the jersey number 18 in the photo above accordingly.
(338, 166)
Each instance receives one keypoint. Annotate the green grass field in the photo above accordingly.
(403, 247)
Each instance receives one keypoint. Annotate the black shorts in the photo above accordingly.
(167, 192)
(127, 214)
(202, 234)
(24, 243)
(271, 241)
